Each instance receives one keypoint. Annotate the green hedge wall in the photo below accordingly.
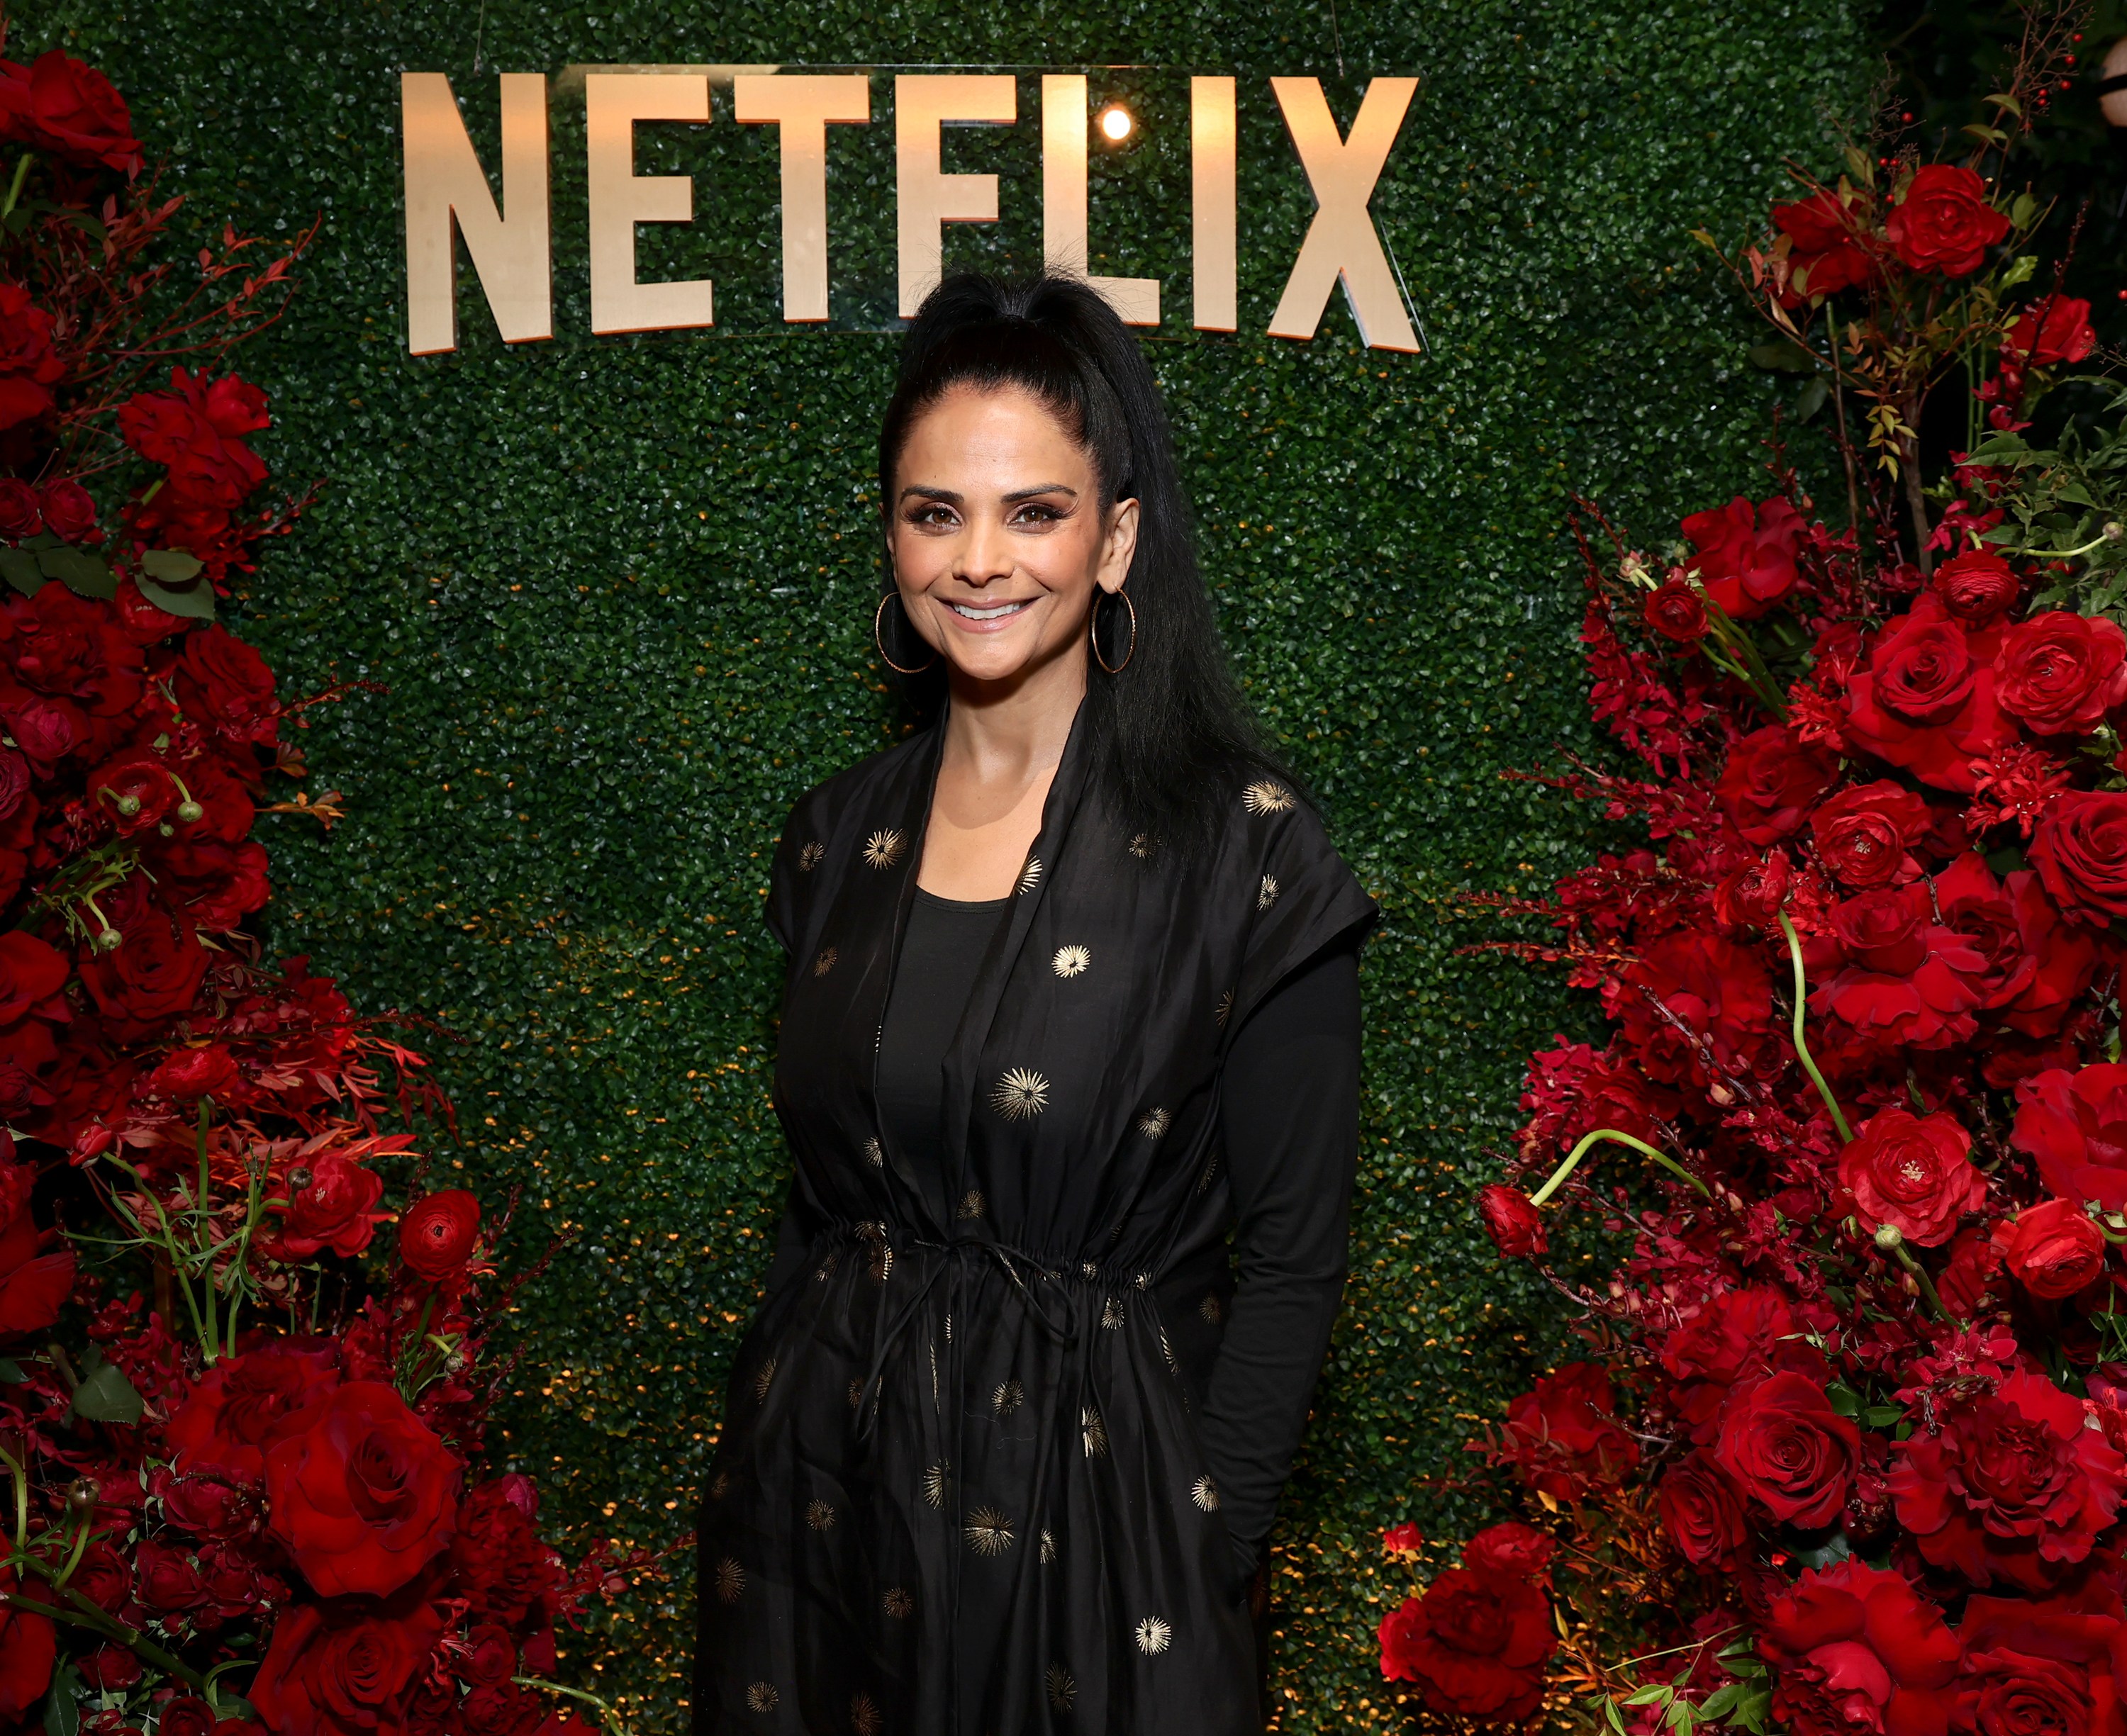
(620, 591)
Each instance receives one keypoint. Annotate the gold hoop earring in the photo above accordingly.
(1093, 632)
(877, 619)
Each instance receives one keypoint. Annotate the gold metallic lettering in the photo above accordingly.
(1213, 225)
(1064, 243)
(803, 104)
(620, 199)
(926, 197)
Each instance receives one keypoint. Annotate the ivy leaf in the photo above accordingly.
(105, 1395)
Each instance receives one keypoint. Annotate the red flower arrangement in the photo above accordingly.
(1846, 1450)
(240, 1489)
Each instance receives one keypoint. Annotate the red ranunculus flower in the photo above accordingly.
(437, 1234)
(2038, 966)
(335, 1209)
(1828, 254)
(1942, 221)
(2051, 332)
(70, 512)
(1403, 1540)
(1564, 1436)
(2060, 673)
(1512, 1551)
(19, 515)
(135, 792)
(2081, 851)
(2013, 1488)
(63, 106)
(1746, 554)
(188, 1075)
(1717, 990)
(365, 1495)
(1926, 698)
(1782, 1444)
(1977, 588)
(197, 429)
(29, 1645)
(1515, 1226)
(29, 367)
(2040, 1669)
(2055, 1250)
(1748, 898)
(1903, 977)
(1866, 833)
(2075, 1126)
(1913, 1172)
(190, 1716)
(224, 685)
(1675, 612)
(166, 1580)
(1854, 1649)
(1702, 1513)
(1474, 1644)
(245, 1404)
(346, 1674)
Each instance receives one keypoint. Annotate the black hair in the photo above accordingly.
(1169, 733)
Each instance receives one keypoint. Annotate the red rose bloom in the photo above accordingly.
(165, 1580)
(1748, 900)
(2039, 1669)
(31, 974)
(335, 1209)
(2081, 851)
(2055, 1250)
(34, 1285)
(190, 1716)
(29, 368)
(2037, 967)
(1514, 1225)
(1865, 834)
(1564, 1436)
(19, 515)
(348, 1674)
(2060, 673)
(197, 429)
(364, 1497)
(1914, 1173)
(224, 685)
(245, 1404)
(498, 1560)
(1740, 1332)
(29, 1646)
(1475, 1644)
(1977, 588)
(1904, 978)
(1702, 1513)
(1827, 255)
(1943, 223)
(2051, 332)
(437, 1234)
(1513, 1551)
(1854, 1649)
(70, 513)
(70, 109)
(2075, 1126)
(1715, 990)
(188, 1075)
(153, 976)
(1926, 698)
(1746, 554)
(2013, 1488)
(1782, 1443)
(1675, 612)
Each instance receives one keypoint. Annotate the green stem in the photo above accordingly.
(1802, 1047)
(2063, 554)
(203, 1226)
(1926, 1283)
(21, 1475)
(1558, 1175)
(86, 1614)
(611, 1718)
(14, 187)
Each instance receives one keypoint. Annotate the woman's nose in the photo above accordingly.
(988, 555)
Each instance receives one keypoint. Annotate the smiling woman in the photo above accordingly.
(1073, 1001)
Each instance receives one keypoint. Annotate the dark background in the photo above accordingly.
(620, 591)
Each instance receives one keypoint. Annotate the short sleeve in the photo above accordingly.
(1305, 898)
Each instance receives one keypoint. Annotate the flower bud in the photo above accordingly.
(188, 810)
(1889, 1238)
(2113, 530)
(129, 805)
(298, 1180)
(82, 1496)
(109, 941)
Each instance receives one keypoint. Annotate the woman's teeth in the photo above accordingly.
(996, 613)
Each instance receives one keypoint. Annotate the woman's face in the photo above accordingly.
(998, 539)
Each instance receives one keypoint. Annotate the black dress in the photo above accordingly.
(965, 1486)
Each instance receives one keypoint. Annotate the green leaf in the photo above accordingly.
(2021, 212)
(10, 1371)
(1783, 357)
(172, 565)
(1656, 1693)
(1813, 398)
(84, 574)
(1882, 1416)
(234, 1705)
(2003, 100)
(1616, 1721)
(1720, 1702)
(1986, 134)
(106, 1396)
(2020, 271)
(1844, 1398)
(62, 1710)
(19, 568)
(196, 601)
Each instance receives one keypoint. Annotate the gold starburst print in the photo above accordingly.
(820, 1514)
(1266, 893)
(1029, 877)
(1153, 1123)
(1225, 1008)
(937, 1478)
(721, 1487)
(875, 1153)
(988, 1532)
(809, 858)
(1062, 1689)
(865, 1718)
(972, 1206)
(1167, 1350)
(731, 1581)
(1021, 1095)
(856, 1391)
(897, 1603)
(1094, 1432)
(1153, 1636)
(883, 848)
(762, 1696)
(1209, 1309)
(763, 1379)
(1112, 1314)
(1266, 797)
(1143, 845)
(1070, 961)
(1007, 1398)
(1204, 1493)
(874, 1236)
(829, 1262)
(826, 962)
(1048, 1546)
(1210, 1175)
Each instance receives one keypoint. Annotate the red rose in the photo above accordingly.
(2081, 851)
(1855, 1648)
(72, 110)
(1702, 1513)
(1926, 698)
(1782, 1444)
(350, 1674)
(28, 1647)
(2038, 968)
(491, 1657)
(1475, 1643)
(245, 1404)
(29, 368)
(364, 1497)
(2051, 332)
(1977, 588)
(190, 1716)
(152, 975)
(437, 1234)
(166, 1580)
(2039, 1669)
(2060, 673)
(1912, 1172)
(225, 686)
(188, 1075)
(1770, 782)
(1717, 991)
(1741, 1332)
(1748, 900)
(499, 1561)
(2013, 1486)
(34, 1285)
(1513, 1224)
(1403, 1540)
(1942, 221)
(196, 430)
(1746, 554)
(31, 974)
(19, 515)
(334, 1209)
(103, 1578)
(1513, 1551)
(1903, 978)
(2075, 1126)
(2055, 1250)
(1828, 254)
(69, 512)
(1866, 834)
(1564, 1436)
(1675, 612)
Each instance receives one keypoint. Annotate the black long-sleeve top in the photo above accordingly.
(1252, 1343)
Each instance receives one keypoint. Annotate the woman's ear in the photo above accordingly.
(1120, 546)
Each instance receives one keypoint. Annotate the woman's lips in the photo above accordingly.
(988, 617)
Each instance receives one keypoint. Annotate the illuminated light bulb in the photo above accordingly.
(1115, 124)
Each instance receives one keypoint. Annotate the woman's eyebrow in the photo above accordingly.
(1019, 494)
(925, 491)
